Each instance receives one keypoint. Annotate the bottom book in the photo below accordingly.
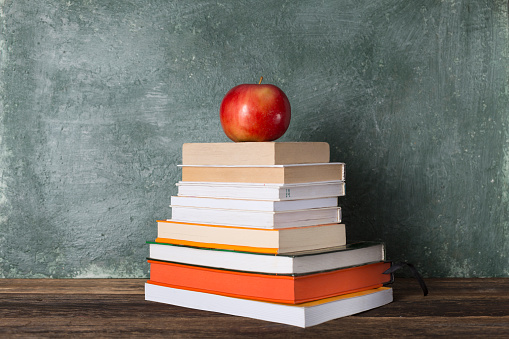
(301, 315)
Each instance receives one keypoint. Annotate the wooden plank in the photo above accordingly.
(116, 308)
(73, 286)
(232, 327)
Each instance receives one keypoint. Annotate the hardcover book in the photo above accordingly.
(323, 259)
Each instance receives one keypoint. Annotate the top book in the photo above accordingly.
(255, 153)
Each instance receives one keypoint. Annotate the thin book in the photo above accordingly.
(262, 191)
(253, 204)
(257, 219)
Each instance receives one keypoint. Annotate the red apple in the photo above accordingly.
(255, 112)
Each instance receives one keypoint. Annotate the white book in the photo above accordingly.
(257, 219)
(301, 315)
(254, 205)
(323, 259)
(262, 191)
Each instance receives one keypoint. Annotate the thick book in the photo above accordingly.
(262, 191)
(353, 254)
(301, 315)
(253, 204)
(255, 153)
(290, 289)
(257, 219)
(276, 174)
(256, 240)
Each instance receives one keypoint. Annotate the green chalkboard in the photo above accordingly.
(97, 98)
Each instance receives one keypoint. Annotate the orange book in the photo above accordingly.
(289, 289)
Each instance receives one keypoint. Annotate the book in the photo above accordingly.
(301, 315)
(255, 153)
(290, 263)
(285, 240)
(253, 204)
(290, 289)
(257, 219)
(277, 174)
(262, 191)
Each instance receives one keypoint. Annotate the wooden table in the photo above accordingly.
(116, 308)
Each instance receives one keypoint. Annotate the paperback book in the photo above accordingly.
(262, 191)
(300, 315)
(277, 174)
(257, 219)
(274, 241)
(255, 153)
(282, 288)
(253, 204)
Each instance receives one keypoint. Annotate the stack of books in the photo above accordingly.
(256, 231)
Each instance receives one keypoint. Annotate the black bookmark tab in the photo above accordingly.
(398, 265)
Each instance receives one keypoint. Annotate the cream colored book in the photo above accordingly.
(280, 174)
(256, 240)
(255, 153)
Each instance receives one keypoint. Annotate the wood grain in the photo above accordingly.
(116, 308)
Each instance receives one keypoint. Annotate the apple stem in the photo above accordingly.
(259, 82)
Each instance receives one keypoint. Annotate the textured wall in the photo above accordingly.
(97, 97)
